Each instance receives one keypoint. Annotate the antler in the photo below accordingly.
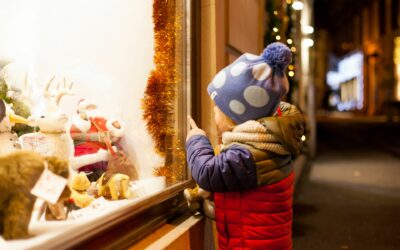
(60, 90)
(24, 92)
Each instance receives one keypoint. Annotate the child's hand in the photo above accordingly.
(194, 129)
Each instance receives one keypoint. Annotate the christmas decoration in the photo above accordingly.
(19, 107)
(159, 100)
(175, 162)
(52, 121)
(8, 138)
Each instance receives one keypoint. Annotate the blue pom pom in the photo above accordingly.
(278, 56)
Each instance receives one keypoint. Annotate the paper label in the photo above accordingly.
(49, 186)
(35, 142)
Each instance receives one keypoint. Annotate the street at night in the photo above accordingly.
(349, 195)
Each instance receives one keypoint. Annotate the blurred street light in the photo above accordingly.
(308, 29)
(308, 42)
(297, 5)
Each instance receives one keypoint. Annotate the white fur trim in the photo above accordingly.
(115, 132)
(80, 161)
(83, 104)
(81, 124)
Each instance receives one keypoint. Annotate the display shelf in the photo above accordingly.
(127, 220)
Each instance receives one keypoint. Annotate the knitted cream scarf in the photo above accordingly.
(254, 134)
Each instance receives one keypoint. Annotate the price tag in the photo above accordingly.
(35, 142)
(49, 186)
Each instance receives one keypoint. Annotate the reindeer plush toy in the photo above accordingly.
(52, 139)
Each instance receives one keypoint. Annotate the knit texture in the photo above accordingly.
(255, 134)
(253, 85)
(278, 56)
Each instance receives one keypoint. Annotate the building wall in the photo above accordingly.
(370, 27)
(229, 28)
(322, 47)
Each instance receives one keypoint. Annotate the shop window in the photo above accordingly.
(347, 83)
(396, 58)
(123, 71)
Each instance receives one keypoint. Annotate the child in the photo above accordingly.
(252, 178)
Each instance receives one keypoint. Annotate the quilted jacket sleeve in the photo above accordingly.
(232, 170)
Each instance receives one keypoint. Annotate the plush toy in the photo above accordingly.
(14, 99)
(117, 186)
(8, 138)
(57, 211)
(80, 185)
(52, 139)
(200, 200)
(72, 198)
(91, 130)
(19, 173)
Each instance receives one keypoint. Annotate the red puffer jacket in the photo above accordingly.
(256, 219)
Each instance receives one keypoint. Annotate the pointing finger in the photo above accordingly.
(192, 122)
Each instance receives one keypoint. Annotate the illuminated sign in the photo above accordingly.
(348, 80)
(396, 59)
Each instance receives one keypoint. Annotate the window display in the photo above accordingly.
(396, 59)
(93, 106)
(347, 83)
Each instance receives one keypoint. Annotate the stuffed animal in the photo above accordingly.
(8, 138)
(19, 173)
(80, 185)
(58, 210)
(117, 186)
(17, 102)
(72, 198)
(52, 139)
(200, 200)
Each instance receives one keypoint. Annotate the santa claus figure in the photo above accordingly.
(91, 131)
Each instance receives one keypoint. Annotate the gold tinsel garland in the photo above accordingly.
(159, 96)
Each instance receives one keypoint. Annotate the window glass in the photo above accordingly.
(103, 86)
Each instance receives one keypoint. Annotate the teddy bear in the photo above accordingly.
(19, 172)
(200, 200)
(80, 185)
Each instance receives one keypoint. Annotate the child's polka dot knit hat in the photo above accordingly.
(252, 86)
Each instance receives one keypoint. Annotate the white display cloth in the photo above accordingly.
(83, 222)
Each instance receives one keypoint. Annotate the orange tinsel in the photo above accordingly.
(158, 101)
(174, 166)
(159, 96)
